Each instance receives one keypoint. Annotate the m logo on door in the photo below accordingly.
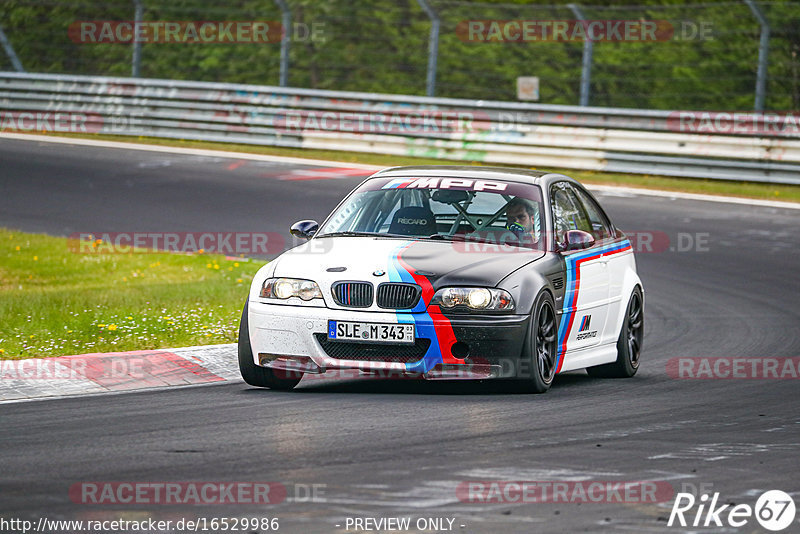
(583, 331)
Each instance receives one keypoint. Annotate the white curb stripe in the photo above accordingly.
(118, 372)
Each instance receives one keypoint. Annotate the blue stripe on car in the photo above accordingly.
(422, 321)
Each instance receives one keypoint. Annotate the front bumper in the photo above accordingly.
(293, 338)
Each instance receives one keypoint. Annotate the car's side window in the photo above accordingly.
(600, 227)
(567, 214)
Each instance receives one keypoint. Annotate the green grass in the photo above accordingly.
(55, 301)
(786, 193)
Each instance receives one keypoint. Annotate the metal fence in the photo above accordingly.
(732, 55)
(753, 147)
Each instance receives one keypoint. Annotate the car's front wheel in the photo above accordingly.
(539, 356)
(629, 344)
(256, 375)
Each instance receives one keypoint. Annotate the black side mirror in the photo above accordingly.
(304, 229)
(577, 240)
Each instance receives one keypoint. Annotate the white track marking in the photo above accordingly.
(608, 189)
(188, 151)
(625, 191)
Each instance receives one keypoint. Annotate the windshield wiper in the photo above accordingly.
(477, 239)
(443, 237)
(349, 234)
(434, 237)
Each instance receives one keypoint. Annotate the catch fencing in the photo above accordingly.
(731, 146)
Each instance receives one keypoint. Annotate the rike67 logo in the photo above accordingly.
(774, 511)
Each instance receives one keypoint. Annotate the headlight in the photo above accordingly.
(284, 288)
(473, 299)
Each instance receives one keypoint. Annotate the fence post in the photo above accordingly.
(15, 62)
(433, 47)
(588, 51)
(286, 22)
(136, 60)
(763, 53)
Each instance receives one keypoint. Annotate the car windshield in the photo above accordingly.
(442, 209)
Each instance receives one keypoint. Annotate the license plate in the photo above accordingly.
(370, 332)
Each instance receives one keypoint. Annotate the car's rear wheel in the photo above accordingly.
(629, 344)
(539, 357)
(256, 375)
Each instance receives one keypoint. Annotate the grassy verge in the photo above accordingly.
(787, 193)
(55, 302)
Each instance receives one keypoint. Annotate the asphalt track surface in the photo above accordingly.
(400, 448)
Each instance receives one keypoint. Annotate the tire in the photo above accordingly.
(539, 356)
(253, 374)
(629, 344)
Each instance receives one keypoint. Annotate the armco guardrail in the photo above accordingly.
(741, 147)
